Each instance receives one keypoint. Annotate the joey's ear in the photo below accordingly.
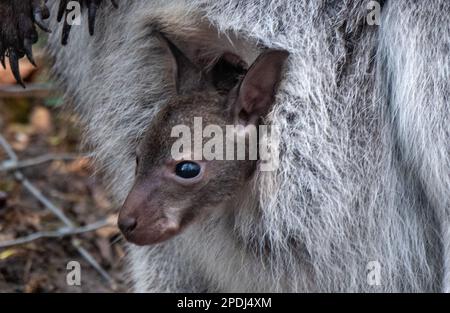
(184, 75)
(258, 88)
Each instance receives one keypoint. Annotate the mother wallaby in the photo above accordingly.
(360, 199)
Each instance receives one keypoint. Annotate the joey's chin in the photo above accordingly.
(146, 237)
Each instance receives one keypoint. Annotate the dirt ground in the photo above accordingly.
(39, 127)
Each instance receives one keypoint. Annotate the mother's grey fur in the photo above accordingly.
(364, 173)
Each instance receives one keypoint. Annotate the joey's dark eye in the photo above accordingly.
(187, 169)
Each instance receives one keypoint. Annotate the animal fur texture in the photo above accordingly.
(364, 165)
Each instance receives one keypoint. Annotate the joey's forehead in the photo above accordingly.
(184, 108)
(190, 112)
(190, 115)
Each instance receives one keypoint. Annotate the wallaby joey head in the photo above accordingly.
(171, 193)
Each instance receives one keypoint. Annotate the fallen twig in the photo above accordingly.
(8, 149)
(42, 199)
(12, 165)
(59, 233)
(32, 91)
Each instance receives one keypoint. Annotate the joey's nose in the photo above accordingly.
(127, 224)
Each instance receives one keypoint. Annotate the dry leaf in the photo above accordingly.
(79, 165)
(36, 284)
(21, 141)
(101, 200)
(41, 120)
(119, 252)
(8, 253)
(109, 231)
(20, 135)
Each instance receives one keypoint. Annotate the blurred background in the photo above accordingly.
(53, 209)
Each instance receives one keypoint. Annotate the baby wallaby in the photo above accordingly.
(171, 193)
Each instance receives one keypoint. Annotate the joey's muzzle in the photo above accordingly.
(144, 221)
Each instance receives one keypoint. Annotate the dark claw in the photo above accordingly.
(65, 33)
(40, 13)
(92, 7)
(14, 63)
(18, 21)
(92, 12)
(45, 13)
(27, 44)
(38, 19)
(61, 10)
